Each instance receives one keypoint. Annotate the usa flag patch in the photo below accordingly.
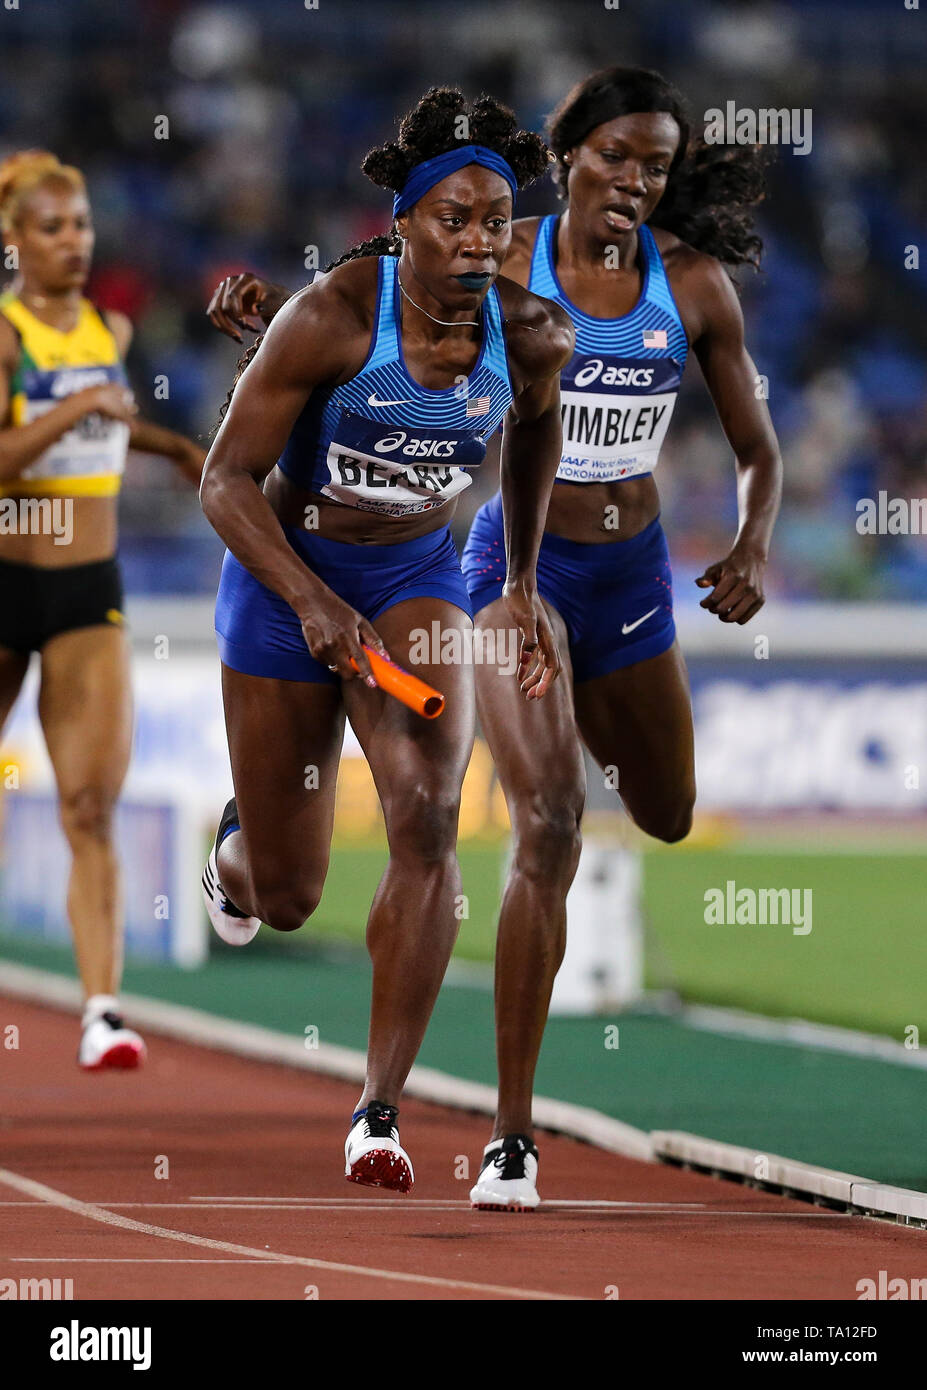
(479, 405)
(655, 338)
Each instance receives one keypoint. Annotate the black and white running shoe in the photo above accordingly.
(508, 1176)
(233, 925)
(373, 1155)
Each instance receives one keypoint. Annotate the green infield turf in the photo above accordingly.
(862, 964)
(354, 873)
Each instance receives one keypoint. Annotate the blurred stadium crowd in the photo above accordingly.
(272, 105)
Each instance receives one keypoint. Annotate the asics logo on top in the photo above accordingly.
(416, 448)
(66, 383)
(629, 627)
(372, 400)
(612, 376)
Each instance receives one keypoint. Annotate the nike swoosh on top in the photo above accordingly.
(629, 627)
(372, 400)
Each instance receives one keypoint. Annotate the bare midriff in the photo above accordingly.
(600, 512)
(336, 522)
(86, 530)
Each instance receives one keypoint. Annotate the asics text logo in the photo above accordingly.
(612, 376)
(416, 448)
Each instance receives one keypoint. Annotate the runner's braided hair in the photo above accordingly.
(441, 121)
(711, 191)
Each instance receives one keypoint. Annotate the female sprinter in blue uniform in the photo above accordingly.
(671, 215)
(67, 418)
(332, 480)
(622, 144)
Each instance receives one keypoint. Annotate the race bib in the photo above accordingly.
(95, 445)
(397, 472)
(615, 414)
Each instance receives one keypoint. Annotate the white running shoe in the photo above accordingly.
(508, 1176)
(373, 1155)
(107, 1042)
(229, 922)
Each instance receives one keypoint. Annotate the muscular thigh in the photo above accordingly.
(85, 707)
(284, 742)
(418, 763)
(639, 720)
(534, 743)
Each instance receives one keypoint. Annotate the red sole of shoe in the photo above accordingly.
(124, 1057)
(380, 1168)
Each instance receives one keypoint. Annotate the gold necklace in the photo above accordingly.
(457, 323)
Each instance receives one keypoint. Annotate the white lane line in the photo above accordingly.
(801, 1032)
(128, 1223)
(407, 1204)
(365, 1203)
(352, 1207)
(448, 1203)
(378, 1207)
(399, 1206)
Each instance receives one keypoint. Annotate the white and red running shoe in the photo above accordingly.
(107, 1042)
(234, 926)
(508, 1176)
(373, 1155)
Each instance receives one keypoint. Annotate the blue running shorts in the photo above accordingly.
(616, 598)
(260, 635)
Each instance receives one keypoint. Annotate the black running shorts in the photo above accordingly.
(37, 604)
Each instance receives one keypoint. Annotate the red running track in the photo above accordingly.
(255, 1204)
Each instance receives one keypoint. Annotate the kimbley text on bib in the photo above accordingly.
(615, 414)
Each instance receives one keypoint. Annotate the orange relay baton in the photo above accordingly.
(422, 698)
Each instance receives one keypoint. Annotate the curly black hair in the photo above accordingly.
(711, 191)
(441, 120)
(444, 119)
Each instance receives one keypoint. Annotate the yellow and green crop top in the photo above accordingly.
(89, 459)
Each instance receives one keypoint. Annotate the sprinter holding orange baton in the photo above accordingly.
(332, 481)
(418, 696)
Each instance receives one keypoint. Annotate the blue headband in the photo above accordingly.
(431, 171)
